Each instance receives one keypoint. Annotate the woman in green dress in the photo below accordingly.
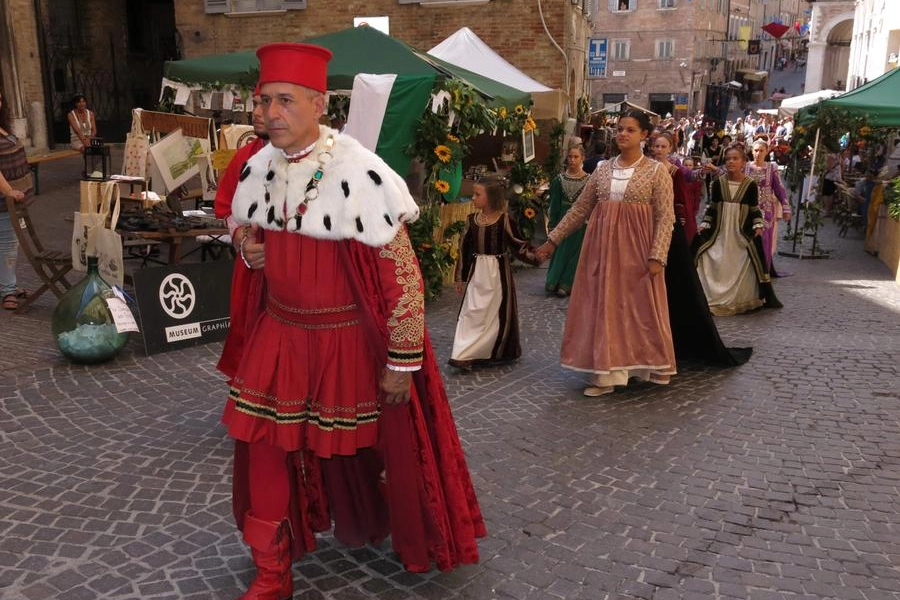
(564, 190)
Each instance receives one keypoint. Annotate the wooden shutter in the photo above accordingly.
(215, 6)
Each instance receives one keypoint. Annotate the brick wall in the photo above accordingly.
(511, 27)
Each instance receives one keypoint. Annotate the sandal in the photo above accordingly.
(10, 302)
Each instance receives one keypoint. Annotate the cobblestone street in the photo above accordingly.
(776, 480)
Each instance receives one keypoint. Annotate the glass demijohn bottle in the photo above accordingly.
(83, 325)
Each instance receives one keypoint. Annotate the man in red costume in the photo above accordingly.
(243, 278)
(337, 395)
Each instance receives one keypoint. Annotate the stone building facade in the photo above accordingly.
(663, 53)
(830, 33)
(875, 46)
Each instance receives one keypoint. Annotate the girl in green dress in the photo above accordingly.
(564, 190)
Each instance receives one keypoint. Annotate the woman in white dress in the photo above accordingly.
(729, 251)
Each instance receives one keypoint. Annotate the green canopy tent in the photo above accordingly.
(360, 50)
(878, 99)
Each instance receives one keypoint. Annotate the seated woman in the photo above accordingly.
(82, 123)
(729, 254)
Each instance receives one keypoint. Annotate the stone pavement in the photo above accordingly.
(778, 479)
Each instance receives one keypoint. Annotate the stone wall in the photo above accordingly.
(20, 67)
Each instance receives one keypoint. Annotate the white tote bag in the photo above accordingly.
(106, 245)
(96, 201)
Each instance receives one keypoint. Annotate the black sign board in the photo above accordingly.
(184, 305)
(753, 47)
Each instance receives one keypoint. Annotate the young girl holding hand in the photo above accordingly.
(487, 330)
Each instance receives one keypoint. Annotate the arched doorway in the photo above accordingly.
(828, 51)
(837, 55)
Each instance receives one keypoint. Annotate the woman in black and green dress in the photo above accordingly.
(564, 190)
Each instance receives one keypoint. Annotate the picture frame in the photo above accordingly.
(527, 145)
(176, 158)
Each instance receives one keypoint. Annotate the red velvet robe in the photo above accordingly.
(336, 312)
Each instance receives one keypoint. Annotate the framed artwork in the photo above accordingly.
(176, 158)
(527, 145)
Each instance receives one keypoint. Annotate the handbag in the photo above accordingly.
(93, 233)
(106, 245)
(137, 149)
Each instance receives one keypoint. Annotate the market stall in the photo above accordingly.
(867, 114)
(412, 101)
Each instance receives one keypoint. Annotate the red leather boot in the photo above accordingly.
(270, 544)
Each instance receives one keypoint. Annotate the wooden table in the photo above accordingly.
(173, 238)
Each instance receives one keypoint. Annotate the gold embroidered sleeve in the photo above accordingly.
(404, 298)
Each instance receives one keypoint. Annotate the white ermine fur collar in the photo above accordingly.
(360, 196)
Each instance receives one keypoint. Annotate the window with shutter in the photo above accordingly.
(215, 6)
(621, 49)
(294, 4)
(665, 49)
(667, 3)
(622, 5)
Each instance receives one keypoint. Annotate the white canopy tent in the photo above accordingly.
(467, 50)
(791, 105)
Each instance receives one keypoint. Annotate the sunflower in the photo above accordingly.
(442, 186)
(530, 125)
(865, 130)
(502, 112)
(520, 110)
(529, 213)
(443, 153)
(452, 138)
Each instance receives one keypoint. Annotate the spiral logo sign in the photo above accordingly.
(183, 305)
(177, 296)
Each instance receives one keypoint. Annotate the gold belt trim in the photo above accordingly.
(327, 317)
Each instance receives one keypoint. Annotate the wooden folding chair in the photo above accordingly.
(51, 266)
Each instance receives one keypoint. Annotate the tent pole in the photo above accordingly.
(812, 170)
(800, 200)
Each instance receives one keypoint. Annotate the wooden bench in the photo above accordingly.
(35, 160)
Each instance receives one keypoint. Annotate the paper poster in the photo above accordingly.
(176, 158)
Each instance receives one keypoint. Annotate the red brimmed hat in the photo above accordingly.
(300, 64)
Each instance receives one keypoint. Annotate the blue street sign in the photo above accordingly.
(597, 57)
